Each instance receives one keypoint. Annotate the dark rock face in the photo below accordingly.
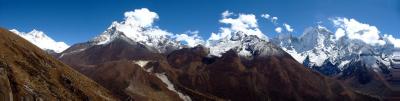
(364, 79)
(356, 75)
(328, 68)
(28, 74)
(263, 78)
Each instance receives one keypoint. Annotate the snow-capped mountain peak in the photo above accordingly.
(320, 47)
(314, 43)
(244, 44)
(41, 40)
(138, 26)
(316, 37)
(241, 35)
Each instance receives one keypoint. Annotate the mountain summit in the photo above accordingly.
(342, 58)
(138, 26)
(41, 40)
(245, 45)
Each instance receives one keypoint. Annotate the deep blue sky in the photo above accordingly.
(75, 21)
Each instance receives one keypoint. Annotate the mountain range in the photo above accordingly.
(357, 63)
(253, 69)
(136, 60)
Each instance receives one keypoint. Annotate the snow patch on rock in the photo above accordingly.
(171, 87)
(141, 63)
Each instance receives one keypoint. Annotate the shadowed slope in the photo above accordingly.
(274, 77)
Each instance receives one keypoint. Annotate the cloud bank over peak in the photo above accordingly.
(355, 30)
(138, 26)
(246, 23)
(391, 39)
(190, 38)
(141, 17)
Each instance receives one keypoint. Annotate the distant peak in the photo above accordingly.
(246, 45)
(41, 40)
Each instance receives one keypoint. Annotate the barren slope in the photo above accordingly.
(28, 73)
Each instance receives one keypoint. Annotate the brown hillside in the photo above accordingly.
(275, 77)
(28, 73)
(113, 66)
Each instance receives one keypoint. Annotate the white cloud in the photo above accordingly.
(246, 23)
(214, 36)
(278, 29)
(339, 33)
(266, 16)
(41, 40)
(226, 14)
(138, 26)
(193, 39)
(243, 21)
(288, 27)
(274, 19)
(140, 17)
(136, 21)
(226, 38)
(359, 31)
(224, 32)
(391, 39)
